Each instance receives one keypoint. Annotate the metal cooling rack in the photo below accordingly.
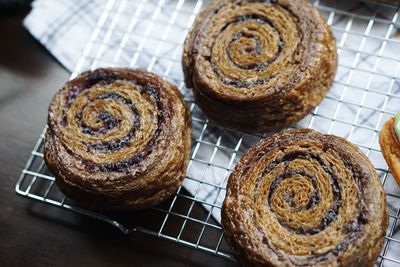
(150, 34)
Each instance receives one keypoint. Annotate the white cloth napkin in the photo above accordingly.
(64, 26)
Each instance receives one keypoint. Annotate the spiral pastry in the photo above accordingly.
(300, 198)
(259, 65)
(118, 139)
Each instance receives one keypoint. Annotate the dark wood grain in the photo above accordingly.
(34, 234)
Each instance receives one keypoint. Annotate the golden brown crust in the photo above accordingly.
(390, 148)
(301, 198)
(259, 65)
(118, 139)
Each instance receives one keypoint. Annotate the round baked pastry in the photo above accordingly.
(389, 140)
(300, 198)
(259, 65)
(118, 139)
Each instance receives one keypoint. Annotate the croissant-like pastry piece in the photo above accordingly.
(389, 141)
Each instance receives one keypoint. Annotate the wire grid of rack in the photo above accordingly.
(150, 34)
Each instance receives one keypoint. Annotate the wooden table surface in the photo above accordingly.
(34, 234)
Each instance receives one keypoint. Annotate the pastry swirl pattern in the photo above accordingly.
(303, 198)
(118, 138)
(259, 65)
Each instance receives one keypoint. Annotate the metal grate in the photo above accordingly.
(150, 34)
